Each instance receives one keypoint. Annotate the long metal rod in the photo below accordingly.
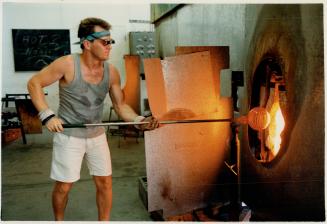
(144, 122)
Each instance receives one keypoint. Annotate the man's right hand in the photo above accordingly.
(153, 124)
(55, 125)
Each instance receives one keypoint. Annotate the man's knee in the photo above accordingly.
(62, 188)
(103, 182)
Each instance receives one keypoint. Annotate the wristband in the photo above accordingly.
(47, 119)
(138, 119)
(44, 115)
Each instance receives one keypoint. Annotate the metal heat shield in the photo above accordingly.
(131, 89)
(183, 161)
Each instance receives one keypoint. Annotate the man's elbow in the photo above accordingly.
(116, 108)
(32, 85)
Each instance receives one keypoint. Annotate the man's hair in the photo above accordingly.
(86, 26)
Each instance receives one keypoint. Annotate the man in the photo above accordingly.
(84, 80)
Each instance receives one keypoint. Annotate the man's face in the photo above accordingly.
(101, 47)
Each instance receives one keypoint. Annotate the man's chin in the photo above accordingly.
(104, 58)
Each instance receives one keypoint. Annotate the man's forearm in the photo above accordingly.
(37, 96)
(125, 112)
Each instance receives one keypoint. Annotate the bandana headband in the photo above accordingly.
(93, 36)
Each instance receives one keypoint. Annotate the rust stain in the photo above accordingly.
(178, 114)
(166, 189)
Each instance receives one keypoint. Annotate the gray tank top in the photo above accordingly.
(82, 102)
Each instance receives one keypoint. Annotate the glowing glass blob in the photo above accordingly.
(276, 126)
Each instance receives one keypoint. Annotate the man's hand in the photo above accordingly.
(54, 125)
(154, 123)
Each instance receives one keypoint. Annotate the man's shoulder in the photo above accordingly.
(67, 58)
(63, 65)
(66, 61)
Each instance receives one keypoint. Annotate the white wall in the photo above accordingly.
(63, 15)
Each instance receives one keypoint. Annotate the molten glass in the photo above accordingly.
(258, 118)
(276, 126)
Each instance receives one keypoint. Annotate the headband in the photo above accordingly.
(93, 36)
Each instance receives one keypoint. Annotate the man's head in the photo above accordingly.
(87, 27)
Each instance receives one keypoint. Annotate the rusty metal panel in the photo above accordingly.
(131, 89)
(183, 161)
(155, 85)
(219, 59)
(189, 82)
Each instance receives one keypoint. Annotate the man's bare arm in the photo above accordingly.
(117, 97)
(47, 76)
(120, 106)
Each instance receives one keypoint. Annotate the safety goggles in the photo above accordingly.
(97, 36)
(106, 42)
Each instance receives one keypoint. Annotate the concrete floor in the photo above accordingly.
(26, 186)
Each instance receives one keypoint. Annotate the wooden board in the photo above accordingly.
(28, 116)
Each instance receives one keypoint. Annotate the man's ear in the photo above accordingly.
(86, 44)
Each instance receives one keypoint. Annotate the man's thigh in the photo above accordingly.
(67, 157)
(98, 157)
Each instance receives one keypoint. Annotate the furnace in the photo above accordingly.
(281, 168)
(268, 91)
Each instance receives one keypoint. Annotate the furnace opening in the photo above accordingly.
(268, 91)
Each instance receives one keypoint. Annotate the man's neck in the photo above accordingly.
(89, 61)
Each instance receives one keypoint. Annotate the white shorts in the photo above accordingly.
(68, 153)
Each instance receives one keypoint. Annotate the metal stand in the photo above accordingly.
(237, 210)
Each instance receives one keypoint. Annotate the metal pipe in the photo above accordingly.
(145, 122)
(258, 118)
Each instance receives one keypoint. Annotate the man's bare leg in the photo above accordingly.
(103, 196)
(60, 199)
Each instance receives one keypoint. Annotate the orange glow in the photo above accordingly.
(276, 126)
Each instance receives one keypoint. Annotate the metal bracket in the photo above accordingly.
(231, 167)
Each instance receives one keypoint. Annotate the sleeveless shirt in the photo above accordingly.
(82, 102)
